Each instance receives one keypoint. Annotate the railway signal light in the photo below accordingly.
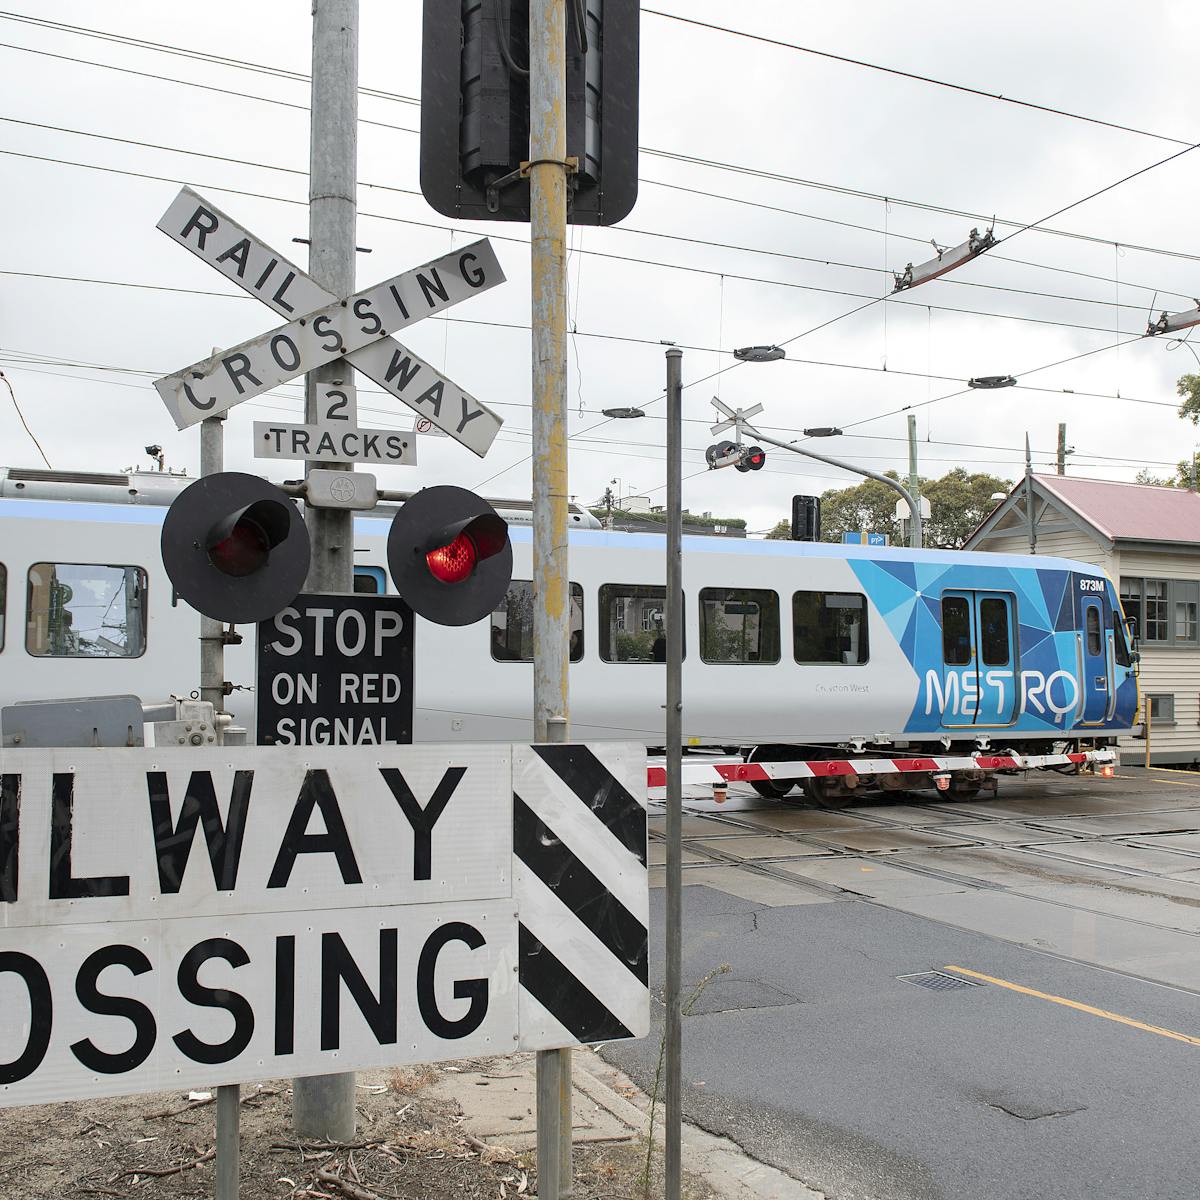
(721, 454)
(475, 109)
(753, 458)
(450, 555)
(235, 547)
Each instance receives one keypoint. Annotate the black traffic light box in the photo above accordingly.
(806, 518)
(475, 108)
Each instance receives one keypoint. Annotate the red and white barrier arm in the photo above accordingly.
(736, 771)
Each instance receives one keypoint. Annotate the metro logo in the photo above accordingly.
(959, 693)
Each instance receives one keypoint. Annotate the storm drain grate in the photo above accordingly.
(938, 981)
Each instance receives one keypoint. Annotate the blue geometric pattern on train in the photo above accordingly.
(1043, 691)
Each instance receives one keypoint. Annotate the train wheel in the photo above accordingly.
(771, 789)
(828, 793)
(964, 789)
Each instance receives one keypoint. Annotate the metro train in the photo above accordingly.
(792, 649)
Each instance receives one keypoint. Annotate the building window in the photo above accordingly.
(633, 622)
(739, 625)
(1161, 707)
(1165, 610)
(956, 631)
(829, 627)
(86, 610)
(512, 624)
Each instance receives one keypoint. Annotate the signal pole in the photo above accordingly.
(913, 482)
(323, 1105)
(551, 611)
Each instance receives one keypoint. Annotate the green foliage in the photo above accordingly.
(1188, 386)
(958, 502)
(1181, 479)
(637, 646)
(660, 518)
(781, 532)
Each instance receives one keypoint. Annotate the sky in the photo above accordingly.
(794, 252)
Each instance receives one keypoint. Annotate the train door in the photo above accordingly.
(979, 675)
(1096, 680)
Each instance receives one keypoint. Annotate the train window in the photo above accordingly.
(1093, 630)
(956, 630)
(829, 627)
(633, 621)
(369, 581)
(993, 632)
(512, 624)
(3, 595)
(1120, 646)
(739, 625)
(85, 610)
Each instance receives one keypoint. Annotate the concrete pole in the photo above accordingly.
(323, 1105)
(1062, 449)
(212, 691)
(551, 609)
(674, 932)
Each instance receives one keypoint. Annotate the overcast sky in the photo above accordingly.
(703, 93)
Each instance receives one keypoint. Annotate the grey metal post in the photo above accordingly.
(914, 483)
(323, 1105)
(212, 691)
(914, 508)
(673, 1020)
(551, 609)
(1029, 498)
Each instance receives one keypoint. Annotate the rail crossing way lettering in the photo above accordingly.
(336, 671)
(172, 918)
(333, 443)
(229, 248)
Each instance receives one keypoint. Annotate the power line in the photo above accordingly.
(598, 253)
(916, 77)
(827, 262)
(24, 423)
(716, 164)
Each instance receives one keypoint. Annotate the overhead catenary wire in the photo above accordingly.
(623, 229)
(21, 417)
(298, 76)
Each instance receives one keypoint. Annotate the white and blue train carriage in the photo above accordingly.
(792, 650)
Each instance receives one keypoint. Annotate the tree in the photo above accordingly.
(958, 502)
(1188, 386)
(782, 532)
(1181, 479)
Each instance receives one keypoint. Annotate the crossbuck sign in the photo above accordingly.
(171, 920)
(322, 327)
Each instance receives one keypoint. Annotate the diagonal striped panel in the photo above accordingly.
(581, 887)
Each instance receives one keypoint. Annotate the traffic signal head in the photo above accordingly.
(806, 518)
(753, 459)
(235, 547)
(717, 454)
(449, 555)
(475, 108)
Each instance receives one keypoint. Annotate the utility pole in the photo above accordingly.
(1029, 498)
(1062, 449)
(323, 1105)
(551, 611)
(673, 1023)
(914, 484)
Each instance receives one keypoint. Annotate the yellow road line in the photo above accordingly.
(1087, 1008)
(1175, 771)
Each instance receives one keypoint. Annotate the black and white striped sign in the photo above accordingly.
(579, 879)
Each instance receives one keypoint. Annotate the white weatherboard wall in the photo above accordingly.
(174, 918)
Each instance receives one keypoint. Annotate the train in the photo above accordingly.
(793, 650)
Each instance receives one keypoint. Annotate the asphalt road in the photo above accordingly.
(1067, 1070)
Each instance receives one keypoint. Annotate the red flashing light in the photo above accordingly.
(757, 459)
(244, 551)
(1107, 771)
(455, 562)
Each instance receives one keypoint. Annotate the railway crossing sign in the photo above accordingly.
(269, 913)
(355, 327)
(336, 671)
